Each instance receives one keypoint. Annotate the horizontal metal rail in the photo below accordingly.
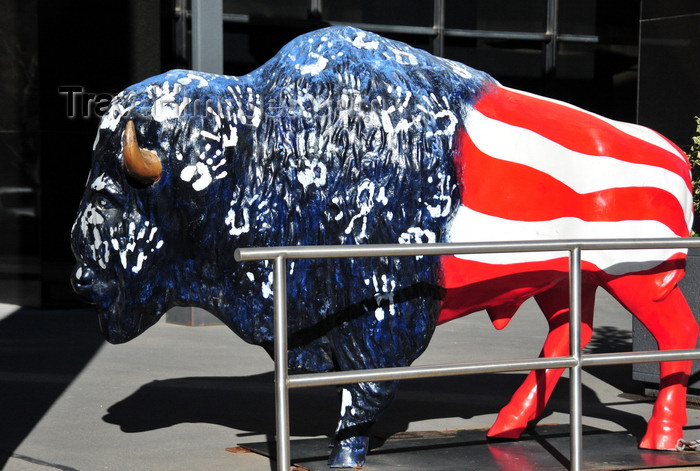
(398, 250)
(428, 371)
(335, 378)
(574, 362)
(626, 358)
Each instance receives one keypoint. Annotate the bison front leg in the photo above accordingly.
(361, 405)
(532, 396)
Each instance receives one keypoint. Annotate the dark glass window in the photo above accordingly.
(390, 12)
(497, 15)
(268, 8)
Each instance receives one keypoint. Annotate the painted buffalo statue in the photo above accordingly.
(345, 137)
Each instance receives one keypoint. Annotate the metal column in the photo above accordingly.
(316, 8)
(439, 27)
(208, 36)
(551, 46)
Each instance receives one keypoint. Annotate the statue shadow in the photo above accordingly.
(475, 395)
(247, 403)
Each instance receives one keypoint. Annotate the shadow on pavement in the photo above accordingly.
(242, 403)
(42, 352)
(247, 404)
(607, 339)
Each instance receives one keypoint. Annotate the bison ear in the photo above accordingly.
(142, 165)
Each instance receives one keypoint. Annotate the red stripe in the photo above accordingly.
(472, 286)
(522, 193)
(576, 130)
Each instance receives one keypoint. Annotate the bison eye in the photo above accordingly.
(102, 202)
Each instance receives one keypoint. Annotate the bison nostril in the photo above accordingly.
(82, 278)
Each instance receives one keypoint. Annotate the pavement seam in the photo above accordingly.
(31, 460)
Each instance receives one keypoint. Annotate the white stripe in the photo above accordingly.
(471, 226)
(645, 134)
(582, 173)
(634, 130)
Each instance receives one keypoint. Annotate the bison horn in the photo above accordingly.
(140, 164)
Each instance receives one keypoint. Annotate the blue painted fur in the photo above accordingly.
(343, 137)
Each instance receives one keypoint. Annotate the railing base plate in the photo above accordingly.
(544, 447)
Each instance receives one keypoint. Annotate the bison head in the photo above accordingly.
(115, 236)
(151, 232)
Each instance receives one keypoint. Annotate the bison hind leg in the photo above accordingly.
(529, 401)
(361, 405)
(671, 322)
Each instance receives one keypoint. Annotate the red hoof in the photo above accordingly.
(661, 436)
(507, 427)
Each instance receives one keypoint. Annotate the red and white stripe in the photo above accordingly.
(532, 168)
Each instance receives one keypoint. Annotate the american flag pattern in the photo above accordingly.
(532, 168)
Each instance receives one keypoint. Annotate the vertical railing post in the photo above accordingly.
(439, 27)
(575, 400)
(279, 277)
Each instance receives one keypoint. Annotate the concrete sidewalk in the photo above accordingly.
(177, 397)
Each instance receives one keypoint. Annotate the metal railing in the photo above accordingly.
(574, 362)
